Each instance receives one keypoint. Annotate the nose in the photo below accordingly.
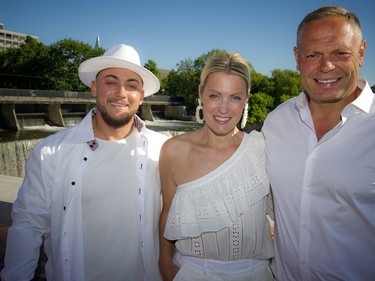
(223, 106)
(326, 64)
(122, 92)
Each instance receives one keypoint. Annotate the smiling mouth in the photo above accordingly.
(327, 81)
(119, 104)
(222, 119)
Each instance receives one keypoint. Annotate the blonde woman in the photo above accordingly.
(214, 185)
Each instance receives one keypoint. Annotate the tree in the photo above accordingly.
(24, 67)
(151, 66)
(261, 83)
(185, 80)
(36, 66)
(286, 85)
(260, 104)
(65, 57)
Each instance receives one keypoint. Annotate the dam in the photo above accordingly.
(23, 107)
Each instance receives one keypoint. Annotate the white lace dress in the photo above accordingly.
(222, 215)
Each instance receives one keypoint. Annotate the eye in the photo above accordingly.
(237, 98)
(214, 96)
(109, 80)
(311, 56)
(132, 86)
(342, 54)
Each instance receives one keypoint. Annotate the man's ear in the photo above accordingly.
(362, 50)
(295, 49)
(93, 88)
(142, 97)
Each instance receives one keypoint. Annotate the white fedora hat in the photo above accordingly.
(119, 56)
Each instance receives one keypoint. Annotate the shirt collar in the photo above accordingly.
(85, 132)
(365, 99)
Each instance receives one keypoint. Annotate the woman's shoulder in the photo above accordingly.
(178, 146)
(182, 139)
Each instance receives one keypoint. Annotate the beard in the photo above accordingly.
(112, 122)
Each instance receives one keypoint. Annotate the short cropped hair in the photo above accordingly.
(327, 12)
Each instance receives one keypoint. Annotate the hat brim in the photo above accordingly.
(89, 69)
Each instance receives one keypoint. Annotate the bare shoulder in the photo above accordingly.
(178, 145)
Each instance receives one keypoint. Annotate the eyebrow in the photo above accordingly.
(128, 80)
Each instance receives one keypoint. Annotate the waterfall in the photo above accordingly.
(13, 156)
(15, 153)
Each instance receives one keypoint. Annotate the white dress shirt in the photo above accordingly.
(324, 191)
(49, 205)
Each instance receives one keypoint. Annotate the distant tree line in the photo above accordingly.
(54, 67)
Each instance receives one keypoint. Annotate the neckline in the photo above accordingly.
(218, 171)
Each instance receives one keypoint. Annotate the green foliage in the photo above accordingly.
(185, 80)
(260, 104)
(151, 65)
(267, 92)
(36, 66)
(24, 67)
(65, 57)
(286, 83)
(261, 83)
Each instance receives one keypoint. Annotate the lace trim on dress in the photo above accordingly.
(216, 200)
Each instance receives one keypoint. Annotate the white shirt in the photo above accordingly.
(49, 205)
(109, 207)
(324, 191)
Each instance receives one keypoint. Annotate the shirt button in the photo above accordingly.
(304, 226)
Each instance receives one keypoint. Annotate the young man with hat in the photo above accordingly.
(92, 192)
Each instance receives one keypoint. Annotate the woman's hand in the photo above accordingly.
(168, 270)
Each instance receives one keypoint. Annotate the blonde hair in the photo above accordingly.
(227, 62)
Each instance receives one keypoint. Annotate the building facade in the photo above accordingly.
(11, 39)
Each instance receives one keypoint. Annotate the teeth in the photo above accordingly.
(327, 81)
(222, 118)
(118, 104)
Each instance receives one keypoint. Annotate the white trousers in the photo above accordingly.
(198, 269)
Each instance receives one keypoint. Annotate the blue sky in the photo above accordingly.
(263, 32)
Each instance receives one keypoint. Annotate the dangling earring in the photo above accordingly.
(244, 116)
(199, 112)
